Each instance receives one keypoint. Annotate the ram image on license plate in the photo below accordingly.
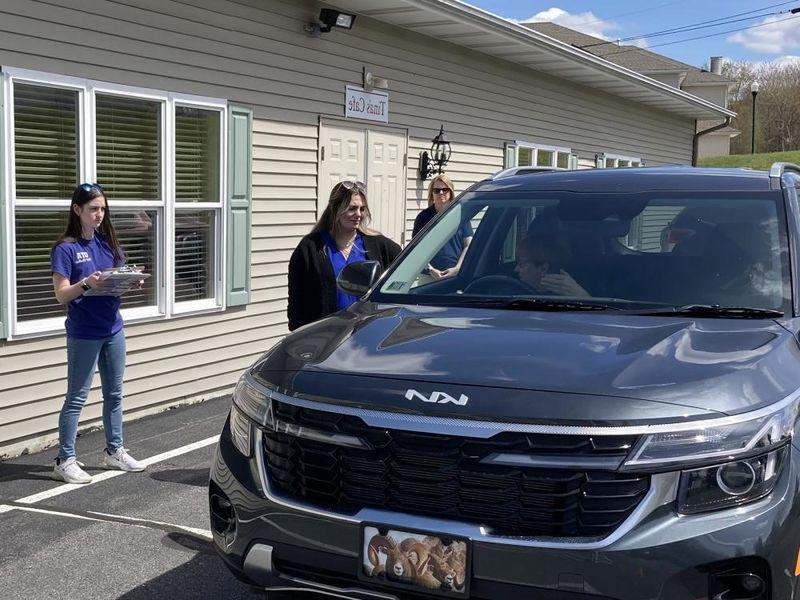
(415, 561)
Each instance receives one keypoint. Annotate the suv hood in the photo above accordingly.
(549, 367)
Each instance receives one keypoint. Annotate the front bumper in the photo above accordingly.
(662, 556)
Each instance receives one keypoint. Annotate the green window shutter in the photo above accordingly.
(510, 156)
(3, 230)
(240, 155)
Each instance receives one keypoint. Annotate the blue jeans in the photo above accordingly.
(83, 356)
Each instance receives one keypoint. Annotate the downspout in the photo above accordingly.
(697, 135)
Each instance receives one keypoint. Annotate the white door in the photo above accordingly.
(381, 167)
(386, 182)
(341, 159)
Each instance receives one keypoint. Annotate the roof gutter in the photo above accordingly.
(697, 135)
(463, 10)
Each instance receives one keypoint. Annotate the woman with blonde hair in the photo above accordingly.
(340, 237)
(447, 261)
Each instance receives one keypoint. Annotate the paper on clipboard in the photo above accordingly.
(117, 282)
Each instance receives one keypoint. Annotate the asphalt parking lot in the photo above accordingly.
(125, 535)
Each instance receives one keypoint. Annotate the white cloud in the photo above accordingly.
(586, 22)
(787, 60)
(779, 35)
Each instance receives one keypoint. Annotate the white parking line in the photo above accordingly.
(105, 517)
(68, 487)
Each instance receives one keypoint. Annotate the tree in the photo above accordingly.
(777, 105)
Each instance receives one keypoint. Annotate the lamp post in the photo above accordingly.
(754, 91)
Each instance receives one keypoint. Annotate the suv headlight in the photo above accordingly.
(716, 439)
(249, 405)
(738, 459)
(730, 484)
(255, 404)
(252, 405)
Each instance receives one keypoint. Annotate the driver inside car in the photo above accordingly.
(539, 260)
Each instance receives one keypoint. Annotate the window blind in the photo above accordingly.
(194, 254)
(197, 161)
(128, 149)
(45, 141)
(36, 232)
(136, 234)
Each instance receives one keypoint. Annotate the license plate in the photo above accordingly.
(416, 561)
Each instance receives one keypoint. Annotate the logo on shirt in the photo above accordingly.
(82, 257)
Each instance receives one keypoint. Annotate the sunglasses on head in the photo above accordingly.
(357, 185)
(88, 187)
(440, 190)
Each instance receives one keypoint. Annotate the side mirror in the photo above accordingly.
(357, 277)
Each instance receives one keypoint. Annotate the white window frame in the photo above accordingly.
(618, 157)
(556, 150)
(163, 280)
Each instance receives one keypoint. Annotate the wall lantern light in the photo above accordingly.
(436, 161)
(328, 19)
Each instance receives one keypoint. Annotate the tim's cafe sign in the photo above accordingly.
(372, 106)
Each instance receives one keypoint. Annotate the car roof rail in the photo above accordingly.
(778, 170)
(523, 171)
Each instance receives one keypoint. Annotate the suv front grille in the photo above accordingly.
(442, 476)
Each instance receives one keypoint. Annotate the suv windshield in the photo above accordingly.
(576, 251)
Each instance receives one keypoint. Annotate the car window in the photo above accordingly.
(652, 249)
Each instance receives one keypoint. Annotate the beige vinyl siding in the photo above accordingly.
(254, 52)
(468, 164)
(261, 54)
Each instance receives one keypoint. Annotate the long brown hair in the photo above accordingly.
(338, 202)
(445, 180)
(83, 194)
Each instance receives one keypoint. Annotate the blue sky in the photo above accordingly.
(776, 38)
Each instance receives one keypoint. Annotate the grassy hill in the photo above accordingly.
(754, 161)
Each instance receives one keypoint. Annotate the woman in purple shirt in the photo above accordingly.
(95, 337)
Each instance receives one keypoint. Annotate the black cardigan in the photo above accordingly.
(312, 286)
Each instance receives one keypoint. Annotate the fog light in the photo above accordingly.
(752, 583)
(745, 578)
(736, 478)
(223, 514)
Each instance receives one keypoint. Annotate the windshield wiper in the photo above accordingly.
(713, 310)
(537, 304)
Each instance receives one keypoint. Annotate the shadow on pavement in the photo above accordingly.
(17, 471)
(203, 576)
(198, 477)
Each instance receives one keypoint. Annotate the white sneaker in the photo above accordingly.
(70, 471)
(121, 460)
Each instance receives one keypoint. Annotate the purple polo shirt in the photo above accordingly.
(88, 317)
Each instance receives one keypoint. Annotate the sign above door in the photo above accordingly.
(370, 106)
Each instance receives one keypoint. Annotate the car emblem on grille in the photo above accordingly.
(437, 398)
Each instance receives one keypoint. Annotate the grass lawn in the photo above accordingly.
(754, 161)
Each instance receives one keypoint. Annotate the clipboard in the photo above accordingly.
(119, 281)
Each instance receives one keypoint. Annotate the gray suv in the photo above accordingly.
(600, 404)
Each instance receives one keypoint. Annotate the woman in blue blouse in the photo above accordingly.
(447, 261)
(95, 337)
(339, 238)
